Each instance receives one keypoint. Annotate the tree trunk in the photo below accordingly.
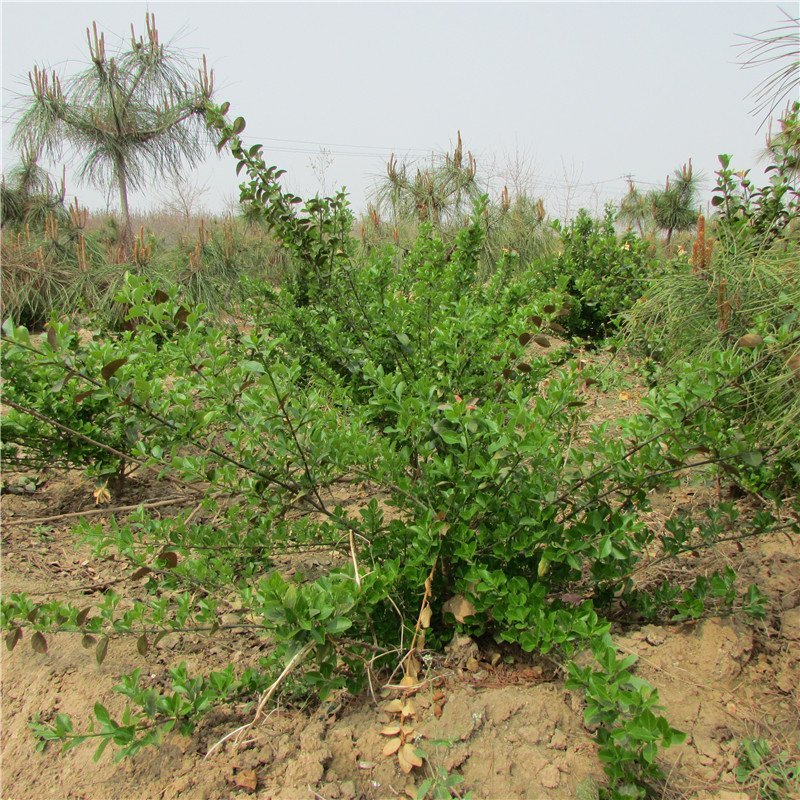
(126, 241)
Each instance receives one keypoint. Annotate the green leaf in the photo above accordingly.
(253, 366)
(338, 625)
(101, 712)
(100, 748)
(753, 458)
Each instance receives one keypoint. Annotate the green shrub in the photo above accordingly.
(741, 297)
(489, 518)
(602, 274)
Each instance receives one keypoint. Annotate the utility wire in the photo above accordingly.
(377, 151)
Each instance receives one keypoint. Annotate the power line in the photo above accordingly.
(364, 147)
(370, 151)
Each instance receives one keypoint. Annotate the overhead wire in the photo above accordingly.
(379, 151)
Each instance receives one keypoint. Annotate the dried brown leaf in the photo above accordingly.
(109, 369)
(12, 637)
(101, 495)
(749, 341)
(408, 758)
(247, 780)
(392, 746)
(425, 616)
(101, 650)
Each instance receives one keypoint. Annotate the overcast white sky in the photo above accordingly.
(587, 92)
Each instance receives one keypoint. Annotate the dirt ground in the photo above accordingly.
(512, 730)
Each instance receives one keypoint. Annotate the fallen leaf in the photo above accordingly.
(437, 710)
(408, 758)
(624, 396)
(247, 780)
(392, 746)
(391, 730)
(409, 710)
(412, 666)
(749, 341)
(394, 706)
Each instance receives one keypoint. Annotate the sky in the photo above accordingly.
(569, 97)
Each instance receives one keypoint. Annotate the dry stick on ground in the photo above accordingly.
(167, 501)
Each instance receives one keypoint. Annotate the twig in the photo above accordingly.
(353, 557)
(168, 501)
(42, 418)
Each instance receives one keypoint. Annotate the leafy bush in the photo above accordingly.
(489, 517)
(751, 216)
(58, 418)
(602, 274)
(740, 296)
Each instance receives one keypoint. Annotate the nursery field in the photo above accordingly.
(452, 500)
